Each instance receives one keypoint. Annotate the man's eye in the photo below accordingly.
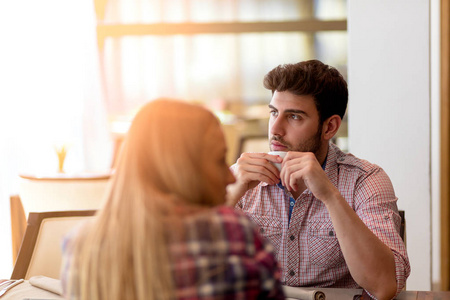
(294, 117)
(273, 113)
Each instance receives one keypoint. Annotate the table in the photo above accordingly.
(26, 290)
(348, 294)
(54, 192)
(431, 295)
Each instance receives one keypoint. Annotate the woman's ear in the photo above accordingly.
(331, 126)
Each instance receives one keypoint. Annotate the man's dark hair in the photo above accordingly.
(312, 78)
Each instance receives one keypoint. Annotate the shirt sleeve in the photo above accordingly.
(376, 206)
(66, 261)
(68, 271)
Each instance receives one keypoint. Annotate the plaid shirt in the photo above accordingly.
(223, 256)
(217, 255)
(307, 247)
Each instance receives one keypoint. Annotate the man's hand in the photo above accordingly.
(250, 170)
(301, 170)
(369, 260)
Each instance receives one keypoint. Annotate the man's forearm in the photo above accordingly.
(370, 261)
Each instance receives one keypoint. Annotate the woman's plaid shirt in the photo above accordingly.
(221, 255)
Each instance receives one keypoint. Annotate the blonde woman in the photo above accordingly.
(163, 231)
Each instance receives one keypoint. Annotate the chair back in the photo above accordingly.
(253, 143)
(18, 224)
(40, 252)
(402, 225)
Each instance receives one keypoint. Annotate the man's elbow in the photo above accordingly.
(385, 290)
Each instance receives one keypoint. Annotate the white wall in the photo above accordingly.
(435, 144)
(389, 110)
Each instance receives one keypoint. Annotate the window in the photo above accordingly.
(214, 52)
(211, 49)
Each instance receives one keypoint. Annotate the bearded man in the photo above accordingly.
(332, 217)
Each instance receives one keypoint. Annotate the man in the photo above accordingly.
(332, 217)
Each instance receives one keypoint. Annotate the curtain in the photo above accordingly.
(211, 68)
(51, 93)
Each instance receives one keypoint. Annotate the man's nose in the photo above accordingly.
(276, 126)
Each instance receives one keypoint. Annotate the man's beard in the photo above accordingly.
(312, 144)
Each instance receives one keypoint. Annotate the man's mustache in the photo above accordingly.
(279, 140)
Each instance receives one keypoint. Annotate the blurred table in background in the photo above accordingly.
(56, 192)
(62, 191)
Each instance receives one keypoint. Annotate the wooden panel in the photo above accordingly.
(215, 28)
(445, 144)
(426, 295)
(311, 25)
(18, 224)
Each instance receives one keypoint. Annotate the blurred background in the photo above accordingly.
(74, 73)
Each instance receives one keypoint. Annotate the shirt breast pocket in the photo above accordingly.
(269, 228)
(323, 245)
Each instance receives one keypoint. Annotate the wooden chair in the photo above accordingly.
(252, 143)
(18, 224)
(40, 252)
(402, 225)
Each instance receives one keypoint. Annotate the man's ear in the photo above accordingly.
(331, 126)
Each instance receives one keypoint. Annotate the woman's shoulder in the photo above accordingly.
(228, 210)
(224, 230)
(234, 223)
(225, 217)
(232, 215)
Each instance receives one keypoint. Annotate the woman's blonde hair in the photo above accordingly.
(123, 253)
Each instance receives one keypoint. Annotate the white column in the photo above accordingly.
(389, 110)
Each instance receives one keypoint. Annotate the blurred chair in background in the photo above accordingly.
(252, 143)
(18, 224)
(402, 225)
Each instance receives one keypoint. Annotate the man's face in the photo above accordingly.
(294, 123)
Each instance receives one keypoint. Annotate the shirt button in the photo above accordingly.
(292, 203)
(341, 159)
(331, 233)
(292, 237)
(291, 272)
(261, 230)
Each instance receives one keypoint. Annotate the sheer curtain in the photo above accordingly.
(210, 67)
(50, 94)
